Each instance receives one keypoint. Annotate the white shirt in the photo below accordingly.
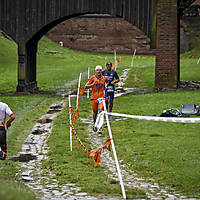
(4, 109)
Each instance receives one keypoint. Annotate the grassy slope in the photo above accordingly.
(65, 64)
(8, 65)
(57, 69)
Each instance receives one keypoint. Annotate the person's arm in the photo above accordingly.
(117, 79)
(115, 64)
(10, 120)
(89, 84)
(106, 83)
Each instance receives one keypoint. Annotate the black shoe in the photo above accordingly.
(99, 133)
(94, 129)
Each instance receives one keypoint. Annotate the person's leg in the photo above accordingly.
(3, 143)
(111, 106)
(94, 105)
(107, 99)
(111, 101)
(100, 107)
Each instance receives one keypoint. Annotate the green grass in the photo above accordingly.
(165, 151)
(141, 76)
(189, 69)
(73, 167)
(168, 152)
(8, 65)
(65, 65)
(27, 109)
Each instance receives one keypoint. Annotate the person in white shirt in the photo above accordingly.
(4, 110)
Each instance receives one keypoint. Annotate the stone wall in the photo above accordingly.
(102, 34)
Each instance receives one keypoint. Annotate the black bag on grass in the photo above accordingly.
(170, 113)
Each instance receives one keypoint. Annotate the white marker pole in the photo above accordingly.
(133, 58)
(88, 91)
(114, 152)
(115, 55)
(79, 84)
(70, 121)
(198, 61)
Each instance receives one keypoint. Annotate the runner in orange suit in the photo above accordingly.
(98, 83)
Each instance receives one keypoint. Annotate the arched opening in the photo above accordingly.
(189, 58)
(101, 33)
(57, 71)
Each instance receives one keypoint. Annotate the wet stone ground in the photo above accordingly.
(35, 149)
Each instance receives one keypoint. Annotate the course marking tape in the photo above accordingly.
(163, 119)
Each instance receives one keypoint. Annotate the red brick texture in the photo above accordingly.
(101, 34)
(167, 62)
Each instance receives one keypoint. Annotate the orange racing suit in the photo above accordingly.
(98, 91)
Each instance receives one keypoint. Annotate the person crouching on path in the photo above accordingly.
(111, 75)
(98, 83)
(4, 109)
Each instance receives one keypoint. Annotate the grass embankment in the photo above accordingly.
(150, 147)
(57, 65)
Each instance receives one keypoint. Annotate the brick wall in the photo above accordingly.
(197, 2)
(101, 34)
(167, 64)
